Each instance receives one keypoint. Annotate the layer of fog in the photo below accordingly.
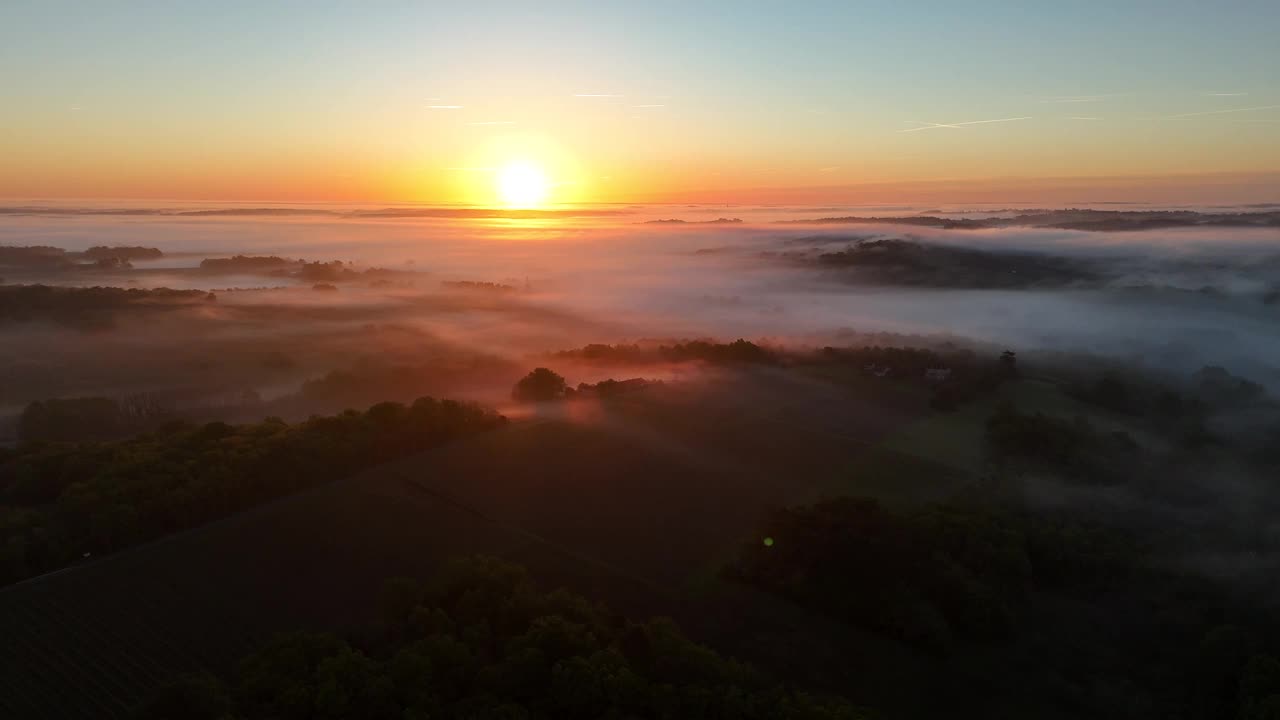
(583, 281)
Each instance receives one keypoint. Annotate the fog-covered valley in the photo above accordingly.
(287, 298)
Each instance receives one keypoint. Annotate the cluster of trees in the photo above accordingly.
(898, 362)
(98, 257)
(88, 307)
(481, 641)
(540, 385)
(544, 385)
(320, 274)
(92, 418)
(932, 577)
(478, 286)
(1047, 614)
(1219, 388)
(1132, 396)
(1212, 387)
(245, 264)
(1182, 417)
(364, 385)
(111, 263)
(59, 501)
(737, 352)
(904, 262)
(1074, 448)
(123, 252)
(964, 374)
(38, 257)
(326, 272)
(611, 387)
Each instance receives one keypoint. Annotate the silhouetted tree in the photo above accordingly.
(539, 385)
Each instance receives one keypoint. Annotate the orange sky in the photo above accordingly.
(822, 103)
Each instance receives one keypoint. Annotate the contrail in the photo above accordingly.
(934, 126)
(1221, 112)
(929, 125)
(595, 95)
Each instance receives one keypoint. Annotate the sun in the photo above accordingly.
(521, 185)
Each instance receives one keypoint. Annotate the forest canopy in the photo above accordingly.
(481, 641)
(61, 501)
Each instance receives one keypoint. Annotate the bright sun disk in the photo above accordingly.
(521, 185)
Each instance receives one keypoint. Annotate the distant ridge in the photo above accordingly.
(1069, 219)
(677, 221)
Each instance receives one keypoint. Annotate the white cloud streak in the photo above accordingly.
(1224, 112)
(959, 125)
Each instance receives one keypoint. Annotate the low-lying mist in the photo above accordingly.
(473, 302)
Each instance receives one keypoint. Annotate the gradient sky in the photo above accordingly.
(694, 100)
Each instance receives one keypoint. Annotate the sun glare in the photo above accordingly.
(521, 185)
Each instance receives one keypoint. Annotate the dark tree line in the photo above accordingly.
(478, 286)
(611, 387)
(59, 501)
(246, 264)
(964, 375)
(895, 261)
(544, 385)
(44, 257)
(88, 307)
(734, 353)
